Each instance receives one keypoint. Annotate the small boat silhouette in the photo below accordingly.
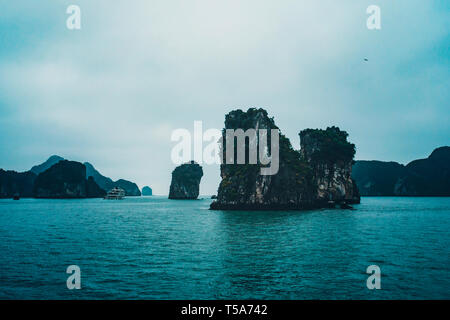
(16, 196)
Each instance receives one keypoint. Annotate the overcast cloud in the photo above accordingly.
(112, 92)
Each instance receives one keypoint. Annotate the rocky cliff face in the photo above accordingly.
(20, 183)
(186, 181)
(424, 177)
(66, 180)
(330, 156)
(243, 186)
(304, 179)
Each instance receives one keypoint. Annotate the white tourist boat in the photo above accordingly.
(115, 194)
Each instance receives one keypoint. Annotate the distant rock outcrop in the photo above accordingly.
(424, 177)
(46, 165)
(147, 191)
(66, 180)
(16, 183)
(186, 181)
(130, 188)
(306, 179)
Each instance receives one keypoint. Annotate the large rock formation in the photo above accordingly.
(147, 191)
(186, 181)
(130, 188)
(424, 177)
(300, 178)
(14, 183)
(243, 186)
(66, 180)
(330, 156)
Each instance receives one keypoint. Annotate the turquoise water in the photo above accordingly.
(154, 248)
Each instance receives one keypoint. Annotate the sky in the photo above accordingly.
(112, 92)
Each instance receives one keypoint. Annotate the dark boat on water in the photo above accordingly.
(16, 196)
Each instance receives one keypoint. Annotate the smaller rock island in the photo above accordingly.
(147, 191)
(185, 183)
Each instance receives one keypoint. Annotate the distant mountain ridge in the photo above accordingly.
(46, 165)
(423, 177)
(131, 189)
(104, 182)
(12, 182)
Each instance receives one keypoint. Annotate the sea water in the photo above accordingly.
(155, 248)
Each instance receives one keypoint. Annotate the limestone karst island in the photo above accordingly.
(322, 174)
(316, 176)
